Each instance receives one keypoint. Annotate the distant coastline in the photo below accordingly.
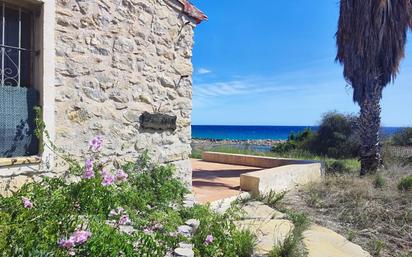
(268, 142)
(262, 135)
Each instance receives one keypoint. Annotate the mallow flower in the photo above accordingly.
(121, 175)
(125, 220)
(209, 239)
(79, 237)
(27, 203)
(66, 243)
(88, 169)
(96, 144)
(108, 178)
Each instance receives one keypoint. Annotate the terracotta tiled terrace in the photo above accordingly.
(215, 181)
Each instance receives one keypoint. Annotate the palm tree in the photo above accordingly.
(371, 42)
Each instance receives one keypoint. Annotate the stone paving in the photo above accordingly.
(322, 242)
(218, 184)
(215, 181)
(272, 228)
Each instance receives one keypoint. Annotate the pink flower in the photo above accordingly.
(108, 178)
(26, 203)
(81, 236)
(121, 175)
(89, 172)
(96, 144)
(66, 243)
(148, 231)
(77, 238)
(112, 213)
(124, 220)
(209, 240)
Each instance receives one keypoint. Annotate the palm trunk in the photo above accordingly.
(369, 127)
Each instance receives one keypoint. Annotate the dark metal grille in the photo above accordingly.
(16, 44)
(18, 95)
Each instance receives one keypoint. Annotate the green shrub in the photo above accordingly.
(246, 242)
(336, 137)
(403, 137)
(336, 167)
(379, 181)
(377, 246)
(196, 154)
(272, 198)
(84, 218)
(295, 141)
(405, 184)
(290, 246)
(227, 240)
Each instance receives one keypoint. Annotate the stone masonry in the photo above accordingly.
(115, 60)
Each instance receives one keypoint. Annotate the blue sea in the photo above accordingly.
(256, 132)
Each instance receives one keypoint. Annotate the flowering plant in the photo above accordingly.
(85, 218)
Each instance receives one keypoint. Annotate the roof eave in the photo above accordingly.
(190, 10)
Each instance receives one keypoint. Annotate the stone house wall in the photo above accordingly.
(116, 59)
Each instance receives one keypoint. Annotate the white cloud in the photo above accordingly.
(289, 84)
(203, 71)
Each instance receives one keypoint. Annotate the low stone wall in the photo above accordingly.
(249, 160)
(280, 179)
(277, 174)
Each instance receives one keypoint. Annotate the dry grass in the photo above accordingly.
(374, 215)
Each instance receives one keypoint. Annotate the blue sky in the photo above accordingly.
(265, 62)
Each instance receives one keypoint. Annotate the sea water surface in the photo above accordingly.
(257, 132)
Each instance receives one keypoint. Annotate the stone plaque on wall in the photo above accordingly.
(158, 121)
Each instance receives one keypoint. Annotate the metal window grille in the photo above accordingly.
(16, 46)
(18, 96)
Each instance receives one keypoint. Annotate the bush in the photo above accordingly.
(336, 137)
(246, 241)
(379, 181)
(403, 137)
(295, 141)
(405, 184)
(290, 247)
(130, 211)
(336, 167)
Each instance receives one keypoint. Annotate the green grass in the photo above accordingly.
(405, 183)
(291, 246)
(196, 154)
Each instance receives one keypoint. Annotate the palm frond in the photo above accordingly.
(371, 42)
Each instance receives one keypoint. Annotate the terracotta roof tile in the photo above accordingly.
(192, 11)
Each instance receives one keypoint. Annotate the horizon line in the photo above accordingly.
(221, 125)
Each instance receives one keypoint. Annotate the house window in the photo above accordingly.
(16, 46)
(18, 93)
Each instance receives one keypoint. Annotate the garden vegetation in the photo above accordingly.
(109, 211)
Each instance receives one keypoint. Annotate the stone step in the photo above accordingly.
(322, 242)
(268, 232)
(271, 229)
